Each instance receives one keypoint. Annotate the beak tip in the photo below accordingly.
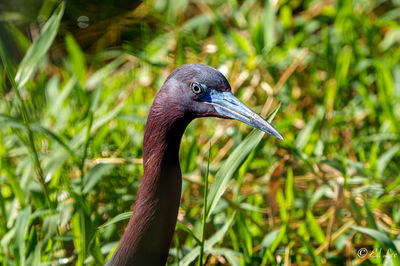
(278, 135)
(273, 132)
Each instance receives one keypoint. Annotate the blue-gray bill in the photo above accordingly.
(226, 104)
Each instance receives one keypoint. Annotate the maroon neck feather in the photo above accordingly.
(147, 238)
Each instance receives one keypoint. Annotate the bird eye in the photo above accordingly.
(196, 88)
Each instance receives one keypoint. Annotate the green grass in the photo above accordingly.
(73, 107)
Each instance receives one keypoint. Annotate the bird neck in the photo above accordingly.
(164, 129)
(147, 238)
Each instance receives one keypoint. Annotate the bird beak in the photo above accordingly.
(227, 105)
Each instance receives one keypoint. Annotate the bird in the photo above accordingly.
(191, 91)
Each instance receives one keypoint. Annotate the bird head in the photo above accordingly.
(204, 91)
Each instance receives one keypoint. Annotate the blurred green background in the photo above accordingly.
(77, 80)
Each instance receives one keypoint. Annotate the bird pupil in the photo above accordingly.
(196, 88)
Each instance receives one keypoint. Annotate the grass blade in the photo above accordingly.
(192, 255)
(231, 165)
(94, 175)
(21, 225)
(183, 227)
(203, 217)
(116, 219)
(39, 48)
(377, 235)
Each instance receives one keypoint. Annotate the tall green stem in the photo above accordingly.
(204, 216)
(87, 140)
(25, 120)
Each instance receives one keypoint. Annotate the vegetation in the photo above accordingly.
(77, 81)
